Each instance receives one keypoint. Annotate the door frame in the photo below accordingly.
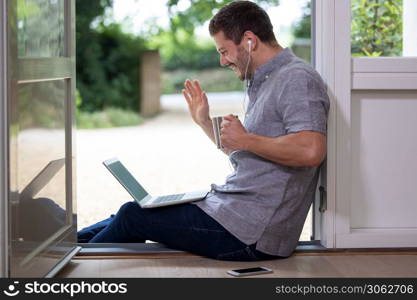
(344, 74)
(3, 143)
(8, 56)
(333, 62)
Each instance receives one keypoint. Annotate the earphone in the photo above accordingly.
(246, 86)
(247, 64)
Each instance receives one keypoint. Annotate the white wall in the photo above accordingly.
(384, 159)
(377, 206)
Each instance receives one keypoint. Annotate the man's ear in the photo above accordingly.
(251, 40)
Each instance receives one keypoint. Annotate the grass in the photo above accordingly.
(109, 117)
(213, 80)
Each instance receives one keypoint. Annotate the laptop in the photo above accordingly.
(42, 178)
(141, 195)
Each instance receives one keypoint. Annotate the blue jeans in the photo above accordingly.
(184, 227)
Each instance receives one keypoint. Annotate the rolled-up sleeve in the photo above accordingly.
(303, 103)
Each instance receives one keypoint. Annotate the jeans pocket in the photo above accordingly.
(244, 254)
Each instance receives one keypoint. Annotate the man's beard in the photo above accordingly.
(241, 64)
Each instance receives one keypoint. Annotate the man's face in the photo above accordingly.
(233, 56)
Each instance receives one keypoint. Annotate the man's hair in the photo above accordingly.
(239, 16)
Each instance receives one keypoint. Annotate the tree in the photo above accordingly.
(107, 60)
(199, 11)
(302, 34)
(302, 29)
(194, 54)
(377, 27)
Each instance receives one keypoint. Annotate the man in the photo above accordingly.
(260, 211)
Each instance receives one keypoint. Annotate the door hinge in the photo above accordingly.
(323, 199)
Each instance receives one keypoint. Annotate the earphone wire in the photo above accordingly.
(246, 84)
(245, 91)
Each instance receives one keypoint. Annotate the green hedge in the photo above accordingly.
(107, 118)
(107, 59)
(212, 80)
(377, 27)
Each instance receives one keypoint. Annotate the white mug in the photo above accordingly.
(217, 126)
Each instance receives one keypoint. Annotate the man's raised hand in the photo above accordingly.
(197, 102)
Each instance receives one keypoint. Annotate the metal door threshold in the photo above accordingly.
(158, 250)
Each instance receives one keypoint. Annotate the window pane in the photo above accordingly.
(41, 28)
(38, 189)
(41, 117)
(384, 28)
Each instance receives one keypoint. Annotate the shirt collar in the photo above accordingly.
(276, 62)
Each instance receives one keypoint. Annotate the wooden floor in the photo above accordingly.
(372, 264)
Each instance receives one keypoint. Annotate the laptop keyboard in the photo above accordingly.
(168, 198)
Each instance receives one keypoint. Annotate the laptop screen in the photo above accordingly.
(126, 179)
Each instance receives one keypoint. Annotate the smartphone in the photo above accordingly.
(249, 271)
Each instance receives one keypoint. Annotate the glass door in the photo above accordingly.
(41, 80)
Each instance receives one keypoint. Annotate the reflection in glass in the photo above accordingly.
(40, 138)
(41, 28)
(40, 217)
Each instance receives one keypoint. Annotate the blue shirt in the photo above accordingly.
(264, 202)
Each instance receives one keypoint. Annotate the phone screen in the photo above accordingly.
(250, 270)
